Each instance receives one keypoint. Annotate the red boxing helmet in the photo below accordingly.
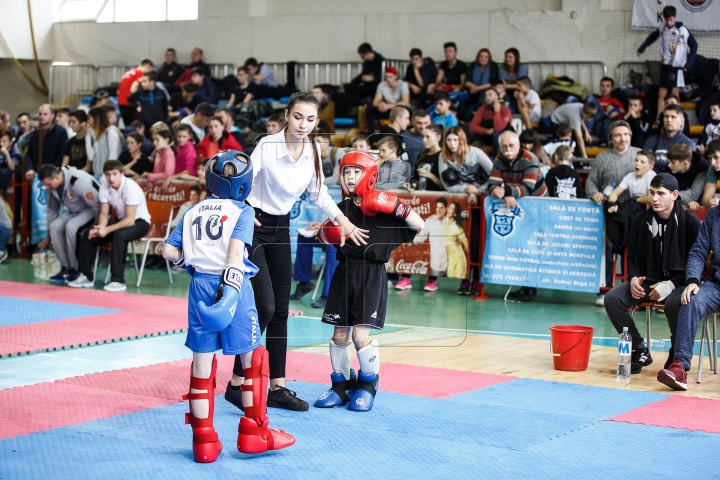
(369, 166)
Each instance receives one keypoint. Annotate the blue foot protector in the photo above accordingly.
(340, 392)
(364, 396)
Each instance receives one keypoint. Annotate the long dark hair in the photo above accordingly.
(437, 130)
(306, 97)
(457, 214)
(515, 67)
(100, 121)
(224, 133)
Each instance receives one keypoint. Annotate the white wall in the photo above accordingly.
(15, 27)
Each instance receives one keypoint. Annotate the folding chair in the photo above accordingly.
(648, 307)
(161, 215)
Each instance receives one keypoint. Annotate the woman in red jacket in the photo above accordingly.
(216, 140)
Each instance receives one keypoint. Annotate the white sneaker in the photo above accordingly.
(3, 255)
(81, 282)
(600, 300)
(115, 287)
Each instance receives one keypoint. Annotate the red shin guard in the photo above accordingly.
(206, 446)
(254, 436)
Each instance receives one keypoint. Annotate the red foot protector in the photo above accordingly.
(206, 446)
(254, 436)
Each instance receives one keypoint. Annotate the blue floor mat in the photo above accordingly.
(18, 311)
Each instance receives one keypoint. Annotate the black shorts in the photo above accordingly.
(671, 77)
(357, 295)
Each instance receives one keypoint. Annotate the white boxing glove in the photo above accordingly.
(664, 289)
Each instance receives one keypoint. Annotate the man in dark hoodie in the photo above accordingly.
(672, 135)
(690, 170)
(658, 248)
(152, 101)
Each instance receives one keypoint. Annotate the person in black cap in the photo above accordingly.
(658, 248)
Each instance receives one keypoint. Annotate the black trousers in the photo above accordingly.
(271, 253)
(120, 239)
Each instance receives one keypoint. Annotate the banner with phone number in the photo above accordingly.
(545, 243)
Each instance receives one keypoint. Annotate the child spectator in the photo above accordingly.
(135, 162)
(129, 83)
(562, 180)
(185, 156)
(478, 77)
(490, 120)
(390, 93)
(272, 124)
(392, 174)
(326, 117)
(216, 140)
(330, 157)
(442, 114)
(164, 165)
(206, 90)
(530, 141)
(690, 170)
(512, 70)
(451, 74)
(245, 91)
(712, 129)
(712, 153)
(152, 101)
(612, 107)
(184, 102)
(563, 134)
(677, 53)
(419, 76)
(528, 102)
(426, 175)
(62, 118)
(111, 114)
(147, 144)
(10, 158)
(576, 114)
(399, 121)
(639, 120)
(78, 151)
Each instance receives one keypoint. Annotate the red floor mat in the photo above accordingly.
(689, 413)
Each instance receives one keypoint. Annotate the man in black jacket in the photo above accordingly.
(46, 143)
(170, 71)
(658, 247)
(365, 84)
(690, 170)
(152, 101)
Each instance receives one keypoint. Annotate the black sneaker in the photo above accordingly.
(640, 358)
(302, 289)
(464, 288)
(234, 396)
(286, 399)
(319, 303)
(73, 275)
(518, 293)
(61, 276)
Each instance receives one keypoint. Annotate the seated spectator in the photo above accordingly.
(135, 162)
(420, 74)
(512, 70)
(164, 164)
(490, 120)
(611, 108)
(426, 174)
(672, 135)
(184, 102)
(451, 73)
(196, 60)
(6, 223)
(151, 100)
(690, 170)
(712, 128)
(199, 120)
(53, 138)
(528, 102)
(10, 159)
(260, 73)
(658, 248)
(137, 126)
(562, 180)
(671, 99)
(127, 199)
(193, 199)
(442, 115)
(111, 114)
(216, 140)
(170, 70)
(366, 82)
(78, 151)
(62, 117)
(205, 88)
(246, 90)
(563, 136)
(72, 204)
(330, 157)
(503, 95)
(302, 272)
(576, 114)
(107, 139)
(185, 156)
(326, 117)
(639, 119)
(392, 172)
(390, 93)
(530, 141)
(273, 124)
(712, 153)
(157, 127)
(129, 83)
(201, 178)
(100, 99)
(413, 138)
(619, 215)
(399, 120)
(228, 121)
(478, 77)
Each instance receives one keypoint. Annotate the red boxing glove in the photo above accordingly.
(329, 233)
(378, 201)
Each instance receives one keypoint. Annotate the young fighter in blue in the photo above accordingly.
(211, 241)
(358, 291)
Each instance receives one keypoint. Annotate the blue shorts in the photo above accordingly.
(243, 333)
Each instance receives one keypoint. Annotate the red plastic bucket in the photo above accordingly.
(570, 347)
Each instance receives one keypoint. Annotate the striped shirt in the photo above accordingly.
(521, 177)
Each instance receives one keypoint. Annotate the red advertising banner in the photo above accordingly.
(177, 193)
(442, 248)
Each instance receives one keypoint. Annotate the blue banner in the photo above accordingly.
(38, 215)
(544, 242)
(304, 212)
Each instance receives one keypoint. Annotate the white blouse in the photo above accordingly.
(279, 181)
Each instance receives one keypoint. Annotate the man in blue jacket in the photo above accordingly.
(46, 143)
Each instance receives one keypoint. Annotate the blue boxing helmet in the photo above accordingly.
(229, 174)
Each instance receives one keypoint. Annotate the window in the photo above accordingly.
(105, 11)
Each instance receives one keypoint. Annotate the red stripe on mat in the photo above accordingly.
(43, 406)
(142, 315)
(688, 413)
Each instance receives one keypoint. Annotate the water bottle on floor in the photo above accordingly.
(624, 353)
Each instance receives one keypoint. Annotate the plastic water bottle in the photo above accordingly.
(608, 190)
(422, 182)
(624, 353)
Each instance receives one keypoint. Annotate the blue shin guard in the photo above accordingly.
(364, 397)
(340, 392)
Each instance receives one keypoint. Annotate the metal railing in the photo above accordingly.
(586, 73)
(622, 70)
(221, 70)
(316, 73)
(107, 74)
(68, 82)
